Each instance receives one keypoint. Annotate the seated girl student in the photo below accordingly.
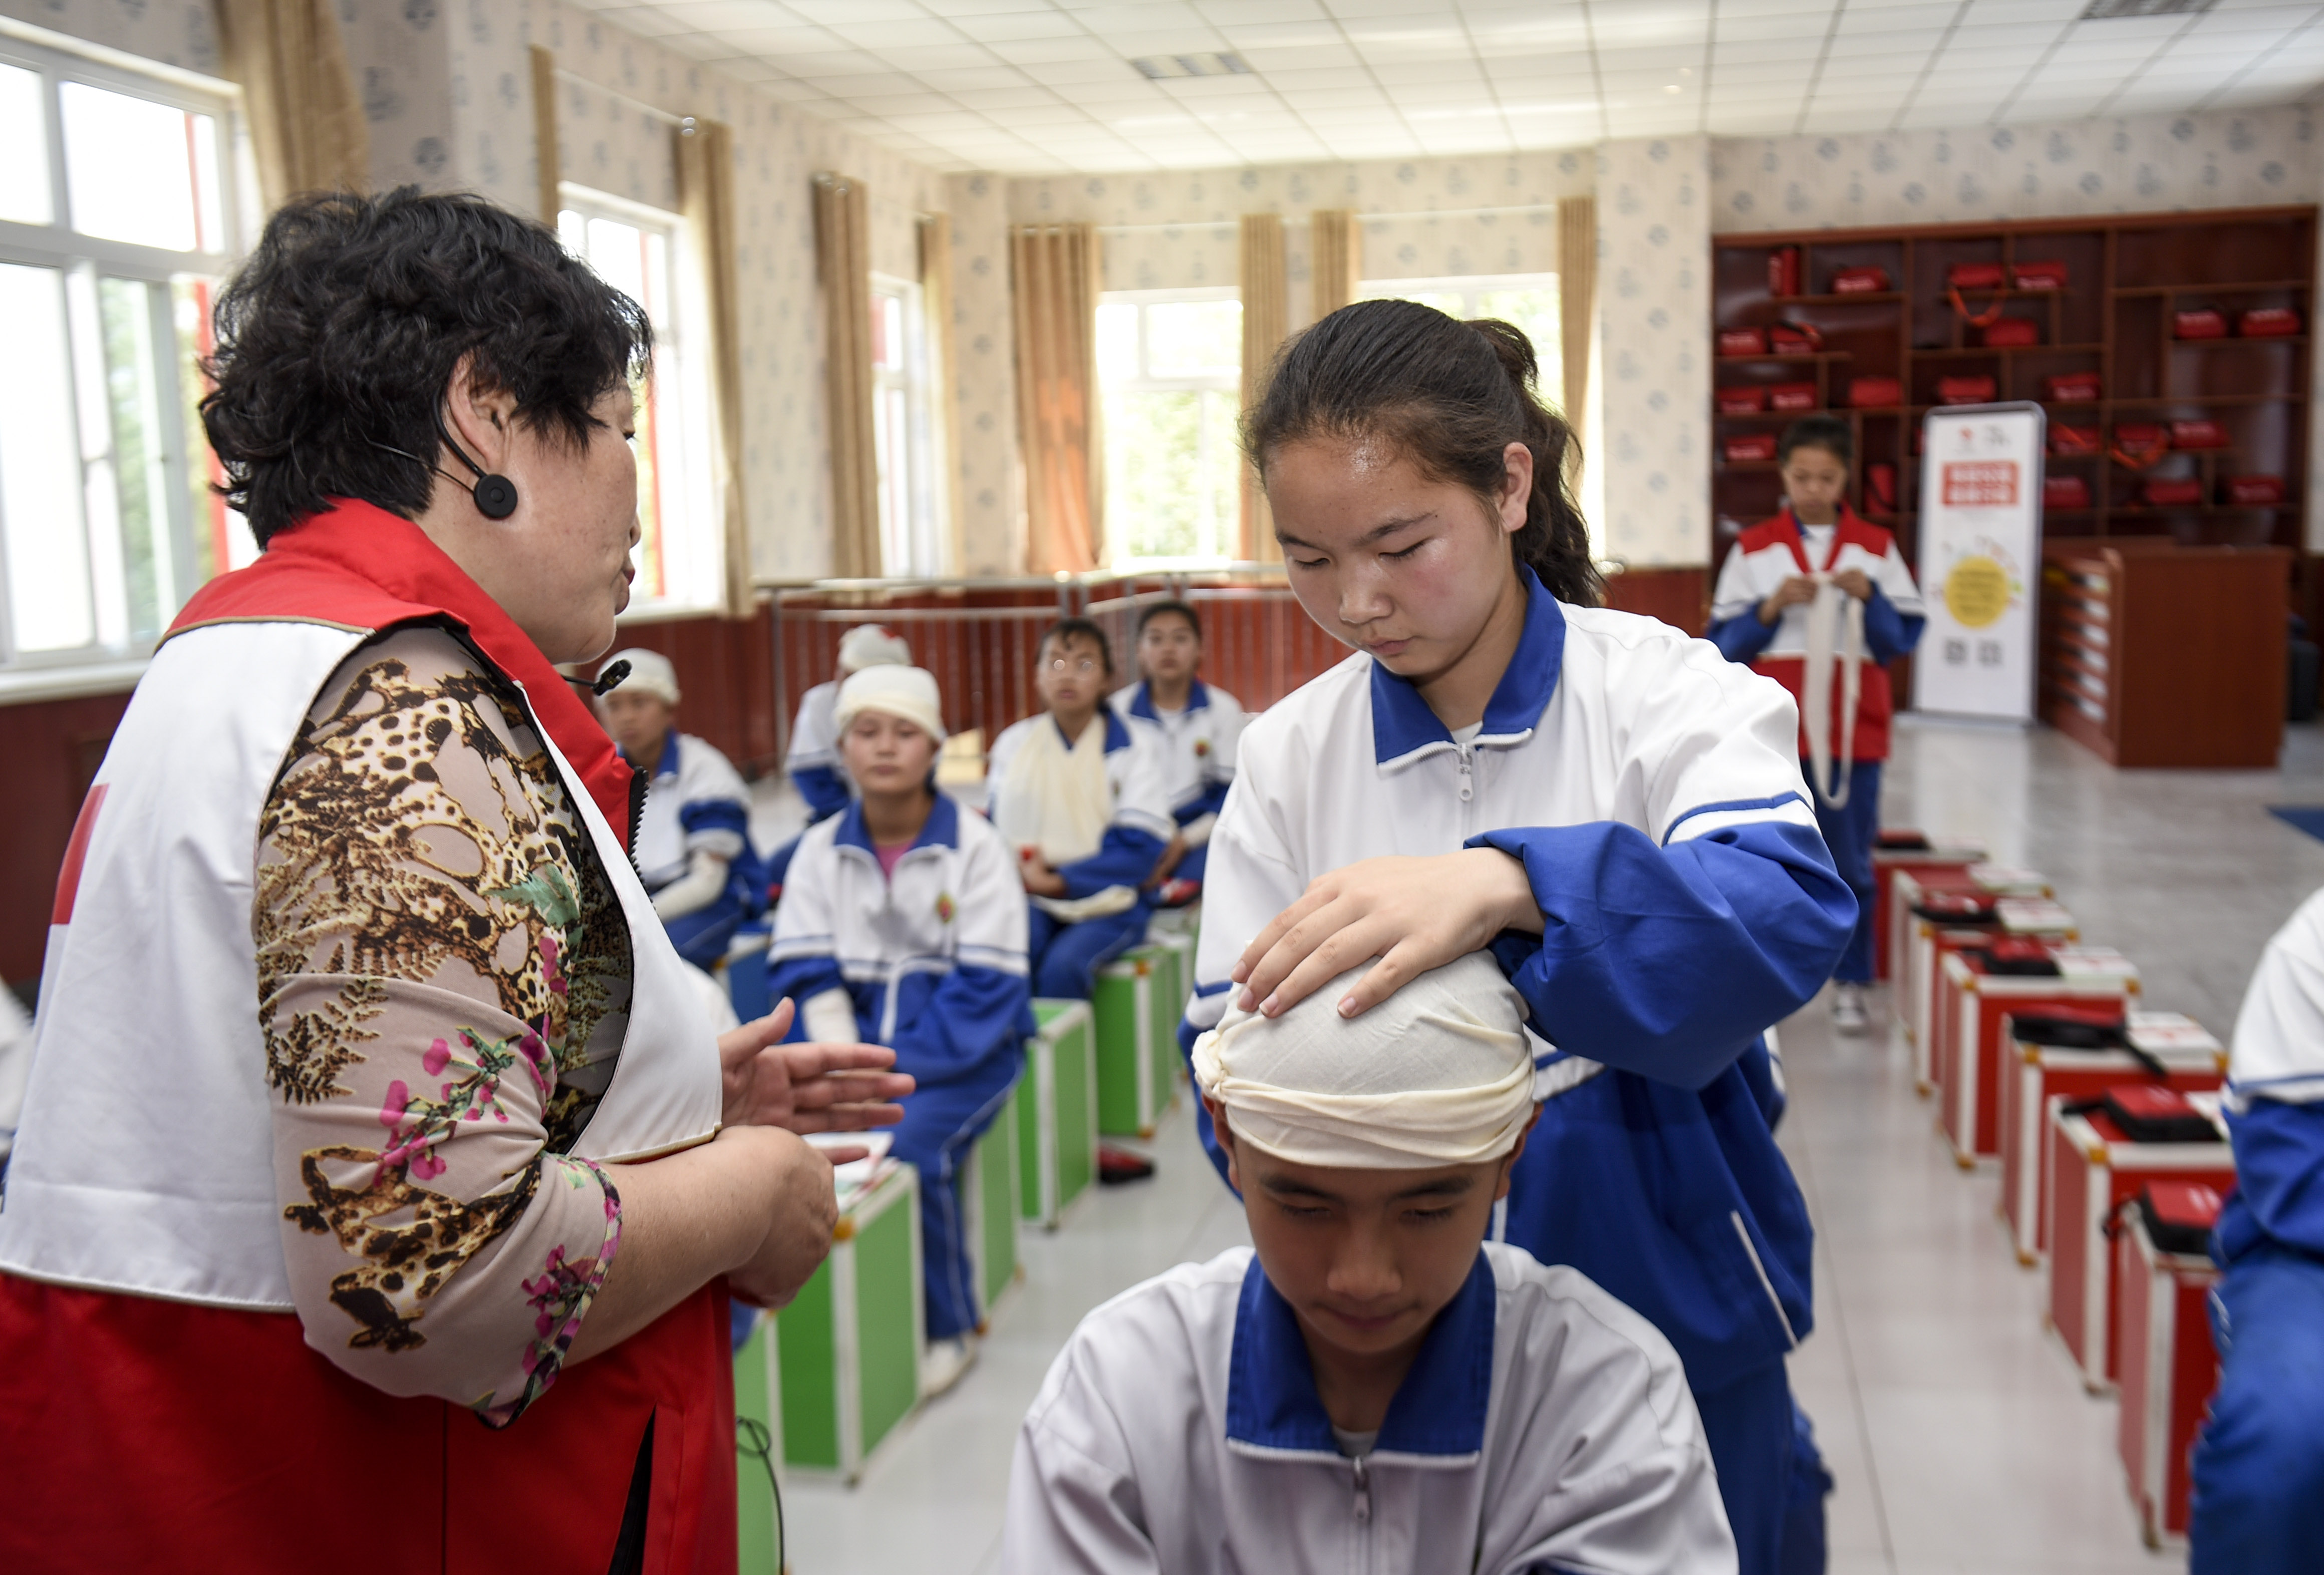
(812, 762)
(1083, 795)
(1199, 725)
(1612, 808)
(1371, 1384)
(905, 926)
(693, 846)
(1766, 612)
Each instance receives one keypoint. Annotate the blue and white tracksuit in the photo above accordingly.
(1652, 791)
(811, 763)
(1200, 755)
(1066, 955)
(2259, 1462)
(696, 802)
(933, 963)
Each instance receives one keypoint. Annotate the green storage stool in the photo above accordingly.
(1137, 1007)
(759, 1446)
(1056, 1111)
(990, 1189)
(1171, 1008)
(849, 1347)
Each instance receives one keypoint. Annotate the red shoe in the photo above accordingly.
(1116, 1166)
(1176, 894)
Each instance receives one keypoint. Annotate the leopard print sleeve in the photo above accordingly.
(443, 979)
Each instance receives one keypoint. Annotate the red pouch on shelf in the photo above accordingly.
(1745, 449)
(1741, 401)
(1790, 396)
(1964, 391)
(1875, 392)
(1742, 341)
(2268, 323)
(2202, 323)
(2198, 434)
(1783, 271)
(2065, 492)
(1794, 339)
(1869, 280)
(2252, 491)
(2072, 388)
(2010, 332)
(2066, 440)
(1975, 276)
(2048, 275)
(2170, 491)
(1880, 486)
(2139, 440)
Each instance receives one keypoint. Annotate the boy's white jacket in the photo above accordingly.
(1199, 750)
(697, 801)
(1542, 1425)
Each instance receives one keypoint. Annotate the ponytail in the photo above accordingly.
(1450, 396)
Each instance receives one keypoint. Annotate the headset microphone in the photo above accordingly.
(611, 678)
(495, 495)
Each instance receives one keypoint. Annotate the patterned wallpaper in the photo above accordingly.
(1653, 296)
(984, 383)
(176, 32)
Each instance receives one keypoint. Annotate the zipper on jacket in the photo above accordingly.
(1363, 1490)
(1468, 773)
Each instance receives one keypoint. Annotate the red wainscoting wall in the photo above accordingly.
(54, 749)
(1675, 596)
(725, 675)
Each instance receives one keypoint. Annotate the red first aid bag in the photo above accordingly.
(2072, 388)
(1742, 341)
(2268, 323)
(2050, 275)
(1869, 280)
(1790, 396)
(1756, 446)
(1793, 338)
(2198, 434)
(2068, 439)
(2139, 440)
(1975, 276)
(2011, 332)
(1863, 392)
(1783, 271)
(2202, 323)
(1741, 401)
(2065, 492)
(2171, 491)
(2253, 491)
(1965, 390)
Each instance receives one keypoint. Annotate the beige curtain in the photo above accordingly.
(551, 151)
(1338, 242)
(1056, 272)
(1264, 322)
(1577, 298)
(936, 304)
(842, 256)
(706, 195)
(306, 120)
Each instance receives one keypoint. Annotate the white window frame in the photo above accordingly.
(693, 535)
(116, 658)
(1229, 528)
(914, 542)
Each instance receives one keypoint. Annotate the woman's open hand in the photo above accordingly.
(806, 1087)
(1413, 914)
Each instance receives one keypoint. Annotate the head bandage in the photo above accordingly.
(870, 646)
(650, 672)
(908, 692)
(1440, 1073)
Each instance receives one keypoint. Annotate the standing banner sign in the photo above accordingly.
(1981, 531)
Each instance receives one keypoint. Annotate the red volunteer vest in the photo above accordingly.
(1875, 703)
(147, 1434)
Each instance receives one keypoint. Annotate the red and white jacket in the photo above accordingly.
(160, 1393)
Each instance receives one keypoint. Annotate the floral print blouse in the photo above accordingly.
(444, 980)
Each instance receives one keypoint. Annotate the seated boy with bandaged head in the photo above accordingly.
(1373, 1384)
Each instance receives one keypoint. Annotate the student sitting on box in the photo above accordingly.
(1199, 725)
(1373, 1384)
(693, 848)
(1766, 612)
(812, 762)
(904, 925)
(1083, 795)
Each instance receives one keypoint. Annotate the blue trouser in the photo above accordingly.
(939, 1124)
(702, 936)
(1749, 1429)
(1850, 833)
(2259, 1461)
(1065, 958)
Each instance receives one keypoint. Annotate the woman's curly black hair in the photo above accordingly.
(337, 338)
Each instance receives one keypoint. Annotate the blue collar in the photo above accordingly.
(668, 764)
(1117, 731)
(942, 830)
(1403, 726)
(1439, 1409)
(1142, 699)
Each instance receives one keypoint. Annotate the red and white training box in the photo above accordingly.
(1934, 939)
(2170, 1365)
(1909, 954)
(1907, 853)
(2095, 1168)
(2047, 1075)
(1966, 1035)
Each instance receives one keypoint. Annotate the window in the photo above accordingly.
(1529, 301)
(114, 202)
(640, 252)
(903, 434)
(1170, 387)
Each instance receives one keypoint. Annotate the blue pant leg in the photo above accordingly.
(1749, 1427)
(1066, 969)
(1040, 930)
(939, 1125)
(2259, 1461)
(1850, 832)
(1809, 1485)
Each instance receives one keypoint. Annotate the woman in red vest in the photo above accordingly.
(367, 1088)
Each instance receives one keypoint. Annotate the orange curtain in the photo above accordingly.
(1338, 243)
(1266, 321)
(706, 195)
(305, 122)
(843, 251)
(1055, 271)
(936, 308)
(550, 150)
(1577, 298)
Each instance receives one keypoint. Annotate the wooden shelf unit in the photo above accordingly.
(2151, 654)
(2126, 275)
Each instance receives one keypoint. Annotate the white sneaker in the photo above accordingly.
(942, 1363)
(1848, 1014)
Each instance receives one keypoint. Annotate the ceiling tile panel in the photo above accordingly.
(1017, 24)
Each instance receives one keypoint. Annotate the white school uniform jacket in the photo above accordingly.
(1199, 750)
(1543, 1426)
(696, 801)
(1137, 781)
(812, 762)
(2275, 1107)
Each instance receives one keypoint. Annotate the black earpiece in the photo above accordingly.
(495, 495)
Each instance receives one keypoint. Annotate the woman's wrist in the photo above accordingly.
(1505, 892)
